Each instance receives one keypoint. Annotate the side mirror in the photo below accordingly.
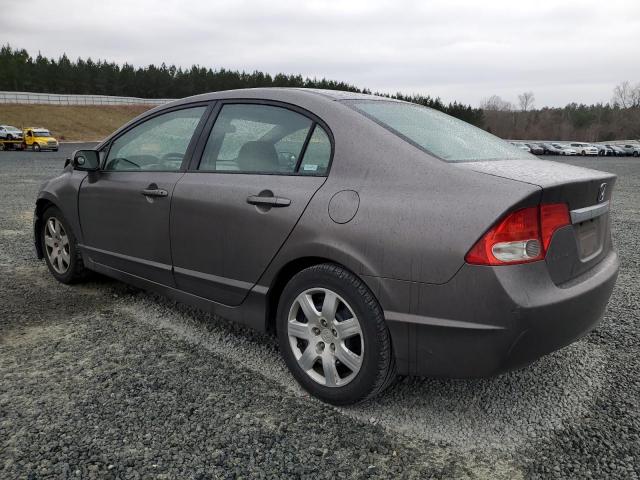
(86, 160)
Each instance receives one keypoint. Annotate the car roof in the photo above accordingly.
(283, 94)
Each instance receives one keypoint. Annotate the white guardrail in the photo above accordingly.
(63, 99)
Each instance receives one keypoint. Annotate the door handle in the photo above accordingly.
(268, 201)
(154, 192)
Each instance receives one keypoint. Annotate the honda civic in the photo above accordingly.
(374, 237)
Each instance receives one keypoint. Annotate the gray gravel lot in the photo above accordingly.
(106, 381)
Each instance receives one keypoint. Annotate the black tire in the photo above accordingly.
(584, 154)
(76, 270)
(377, 369)
(36, 147)
(635, 154)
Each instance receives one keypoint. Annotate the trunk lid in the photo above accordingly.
(576, 248)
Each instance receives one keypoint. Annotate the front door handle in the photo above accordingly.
(268, 201)
(154, 192)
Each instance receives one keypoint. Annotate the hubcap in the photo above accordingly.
(325, 337)
(56, 244)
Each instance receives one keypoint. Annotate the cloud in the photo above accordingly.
(459, 49)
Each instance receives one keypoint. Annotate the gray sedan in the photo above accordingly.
(374, 237)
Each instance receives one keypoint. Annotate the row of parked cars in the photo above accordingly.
(579, 148)
(35, 138)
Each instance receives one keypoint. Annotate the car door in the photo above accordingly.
(259, 167)
(124, 207)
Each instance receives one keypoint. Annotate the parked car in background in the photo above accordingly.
(564, 149)
(550, 149)
(521, 146)
(631, 149)
(8, 132)
(603, 150)
(535, 148)
(617, 151)
(38, 138)
(496, 257)
(584, 148)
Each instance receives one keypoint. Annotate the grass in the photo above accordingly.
(71, 122)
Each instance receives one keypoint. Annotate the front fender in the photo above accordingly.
(61, 192)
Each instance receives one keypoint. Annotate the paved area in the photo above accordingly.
(106, 381)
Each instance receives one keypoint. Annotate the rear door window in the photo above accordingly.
(251, 138)
(318, 153)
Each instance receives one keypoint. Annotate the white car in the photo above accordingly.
(7, 132)
(521, 146)
(565, 150)
(584, 148)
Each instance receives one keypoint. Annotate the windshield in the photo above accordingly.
(41, 133)
(436, 133)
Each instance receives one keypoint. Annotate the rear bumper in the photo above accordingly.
(490, 319)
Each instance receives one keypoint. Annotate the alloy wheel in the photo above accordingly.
(325, 337)
(56, 242)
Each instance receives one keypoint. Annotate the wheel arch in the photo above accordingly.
(284, 275)
(42, 204)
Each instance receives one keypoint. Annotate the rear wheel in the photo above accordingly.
(333, 335)
(60, 248)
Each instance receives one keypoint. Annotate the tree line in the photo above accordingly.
(618, 119)
(19, 71)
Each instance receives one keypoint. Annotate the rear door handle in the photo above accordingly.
(268, 201)
(154, 192)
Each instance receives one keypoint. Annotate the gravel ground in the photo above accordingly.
(106, 381)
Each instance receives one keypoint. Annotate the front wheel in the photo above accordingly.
(333, 336)
(60, 248)
(36, 147)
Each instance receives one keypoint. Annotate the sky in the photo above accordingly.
(464, 50)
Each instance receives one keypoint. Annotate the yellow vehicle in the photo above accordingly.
(38, 138)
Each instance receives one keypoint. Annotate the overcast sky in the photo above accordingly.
(463, 50)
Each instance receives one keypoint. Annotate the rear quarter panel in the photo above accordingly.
(417, 216)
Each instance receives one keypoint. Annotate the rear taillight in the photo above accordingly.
(522, 236)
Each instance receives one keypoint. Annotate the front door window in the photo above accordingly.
(157, 144)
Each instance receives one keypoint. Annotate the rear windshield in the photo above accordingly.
(436, 133)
